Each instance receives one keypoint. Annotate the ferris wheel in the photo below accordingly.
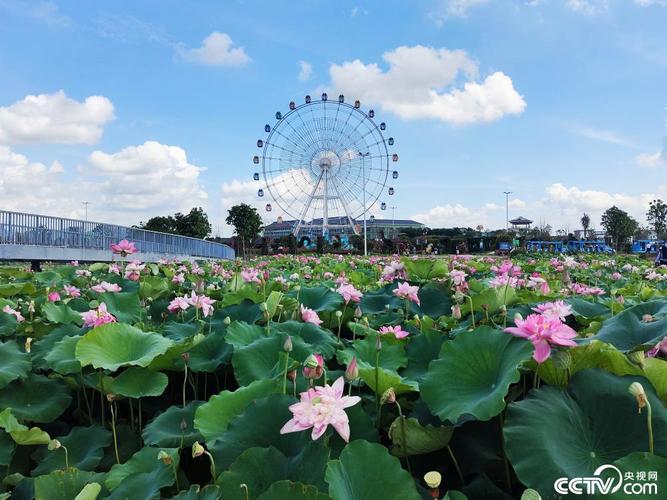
(325, 164)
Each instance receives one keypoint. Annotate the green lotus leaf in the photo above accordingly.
(213, 417)
(153, 287)
(62, 358)
(555, 433)
(35, 398)
(425, 269)
(627, 331)
(392, 354)
(180, 331)
(433, 302)
(655, 369)
(209, 354)
(7, 446)
(318, 298)
(114, 345)
(288, 490)
(315, 339)
(421, 350)
(642, 462)
(412, 438)
(242, 291)
(587, 309)
(128, 444)
(89, 492)
(172, 359)
(20, 433)
(85, 449)
(62, 484)
(196, 492)
(247, 310)
(491, 298)
(473, 374)
(385, 380)
(165, 429)
(125, 306)
(143, 467)
(379, 301)
(366, 471)
(14, 363)
(61, 313)
(43, 346)
(259, 426)
(16, 288)
(8, 325)
(137, 382)
(257, 468)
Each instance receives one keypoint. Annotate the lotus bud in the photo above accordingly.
(637, 357)
(184, 425)
(433, 479)
(227, 320)
(364, 320)
(111, 397)
(263, 307)
(197, 450)
(389, 396)
(164, 457)
(503, 310)
(28, 344)
(313, 367)
(378, 342)
(287, 346)
(291, 375)
(637, 390)
(456, 311)
(647, 318)
(518, 317)
(186, 357)
(357, 312)
(339, 314)
(352, 370)
(54, 444)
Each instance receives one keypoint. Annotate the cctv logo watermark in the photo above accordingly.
(608, 479)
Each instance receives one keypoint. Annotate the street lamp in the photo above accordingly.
(85, 204)
(393, 222)
(507, 209)
(363, 174)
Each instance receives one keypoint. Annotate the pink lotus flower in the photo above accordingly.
(72, 291)
(321, 407)
(405, 291)
(310, 316)
(313, 367)
(106, 287)
(395, 330)
(178, 304)
(133, 271)
(558, 309)
(458, 277)
(53, 297)
(13, 312)
(250, 275)
(97, 317)
(114, 269)
(659, 348)
(456, 311)
(178, 278)
(543, 331)
(123, 248)
(349, 293)
(201, 302)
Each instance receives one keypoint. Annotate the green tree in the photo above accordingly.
(657, 217)
(619, 225)
(246, 222)
(585, 223)
(194, 224)
(161, 224)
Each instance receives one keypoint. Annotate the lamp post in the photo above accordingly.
(507, 209)
(85, 205)
(393, 222)
(363, 175)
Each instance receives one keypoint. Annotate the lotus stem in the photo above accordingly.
(649, 424)
(185, 382)
(244, 487)
(113, 429)
(85, 398)
(66, 456)
(285, 373)
(456, 464)
(472, 311)
(506, 464)
(101, 399)
(403, 437)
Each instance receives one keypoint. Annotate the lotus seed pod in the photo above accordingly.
(530, 494)
(433, 479)
(227, 320)
(637, 357)
(54, 444)
(263, 307)
(164, 457)
(339, 314)
(389, 396)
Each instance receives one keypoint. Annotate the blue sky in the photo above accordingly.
(149, 107)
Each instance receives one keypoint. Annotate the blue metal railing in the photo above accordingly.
(29, 229)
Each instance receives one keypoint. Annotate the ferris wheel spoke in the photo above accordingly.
(288, 139)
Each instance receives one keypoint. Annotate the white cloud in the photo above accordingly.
(305, 71)
(355, 11)
(587, 7)
(648, 3)
(451, 215)
(50, 13)
(447, 9)
(149, 179)
(421, 83)
(217, 50)
(603, 135)
(54, 118)
(650, 159)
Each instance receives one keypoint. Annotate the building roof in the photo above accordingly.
(521, 221)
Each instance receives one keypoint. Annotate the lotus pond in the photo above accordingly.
(332, 377)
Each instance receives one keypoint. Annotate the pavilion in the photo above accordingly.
(521, 223)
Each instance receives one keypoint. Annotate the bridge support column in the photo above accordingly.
(36, 266)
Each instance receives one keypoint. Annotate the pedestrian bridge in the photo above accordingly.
(36, 238)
